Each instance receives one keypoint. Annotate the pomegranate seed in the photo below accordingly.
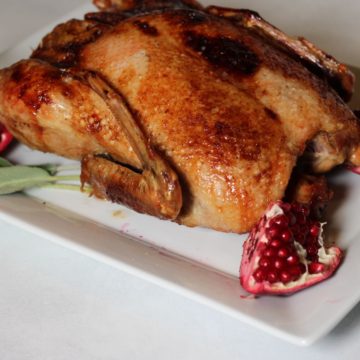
(275, 243)
(269, 252)
(272, 232)
(295, 207)
(264, 262)
(302, 268)
(300, 218)
(286, 235)
(295, 272)
(315, 230)
(272, 276)
(316, 268)
(281, 221)
(299, 234)
(279, 264)
(285, 277)
(259, 275)
(292, 219)
(312, 250)
(305, 210)
(293, 259)
(283, 253)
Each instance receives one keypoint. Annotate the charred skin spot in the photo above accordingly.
(31, 95)
(34, 99)
(17, 75)
(223, 52)
(271, 114)
(192, 17)
(145, 28)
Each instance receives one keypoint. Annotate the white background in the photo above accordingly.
(57, 304)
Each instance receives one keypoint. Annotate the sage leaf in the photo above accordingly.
(51, 169)
(18, 178)
(5, 163)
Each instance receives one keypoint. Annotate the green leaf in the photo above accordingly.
(5, 163)
(18, 178)
(51, 169)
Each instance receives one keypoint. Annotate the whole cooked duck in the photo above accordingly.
(199, 115)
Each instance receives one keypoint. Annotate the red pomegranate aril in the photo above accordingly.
(272, 276)
(264, 262)
(286, 235)
(316, 268)
(312, 250)
(269, 252)
(295, 272)
(315, 230)
(300, 209)
(302, 268)
(259, 275)
(272, 232)
(293, 259)
(279, 264)
(299, 233)
(275, 243)
(281, 221)
(285, 277)
(301, 218)
(283, 253)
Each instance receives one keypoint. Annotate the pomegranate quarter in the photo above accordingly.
(285, 252)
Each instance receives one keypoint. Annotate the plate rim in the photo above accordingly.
(23, 223)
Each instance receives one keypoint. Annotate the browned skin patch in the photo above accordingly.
(28, 91)
(223, 52)
(271, 114)
(62, 46)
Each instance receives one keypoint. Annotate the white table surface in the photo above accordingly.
(58, 304)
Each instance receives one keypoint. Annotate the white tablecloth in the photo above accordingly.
(58, 304)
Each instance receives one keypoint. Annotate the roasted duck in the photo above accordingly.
(193, 114)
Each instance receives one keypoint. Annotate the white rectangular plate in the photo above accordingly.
(199, 263)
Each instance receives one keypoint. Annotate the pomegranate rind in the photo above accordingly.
(257, 241)
(355, 169)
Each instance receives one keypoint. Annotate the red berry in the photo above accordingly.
(272, 276)
(315, 230)
(269, 252)
(272, 232)
(283, 253)
(264, 262)
(281, 221)
(279, 264)
(312, 250)
(293, 259)
(275, 243)
(285, 277)
(259, 275)
(286, 235)
(295, 272)
(316, 268)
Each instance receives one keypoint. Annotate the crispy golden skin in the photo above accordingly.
(227, 109)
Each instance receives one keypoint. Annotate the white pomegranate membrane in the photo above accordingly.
(285, 252)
